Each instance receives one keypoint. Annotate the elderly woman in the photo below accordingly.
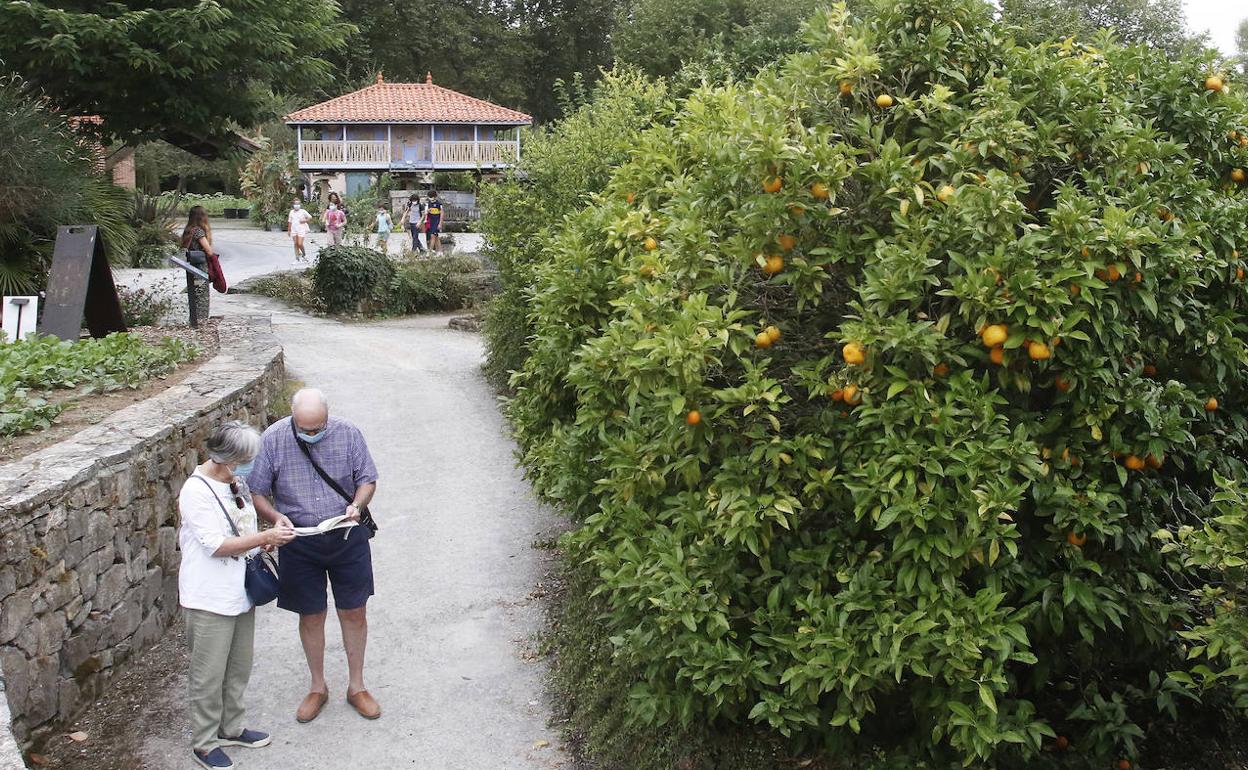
(218, 530)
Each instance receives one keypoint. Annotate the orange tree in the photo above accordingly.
(892, 389)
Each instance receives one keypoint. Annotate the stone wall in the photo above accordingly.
(88, 538)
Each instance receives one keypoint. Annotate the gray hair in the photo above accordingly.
(233, 442)
(306, 394)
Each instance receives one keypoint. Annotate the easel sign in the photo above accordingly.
(19, 317)
(80, 285)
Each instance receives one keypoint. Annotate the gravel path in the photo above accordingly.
(454, 625)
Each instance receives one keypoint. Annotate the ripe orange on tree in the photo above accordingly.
(1134, 463)
(837, 395)
(1213, 83)
(1076, 540)
(846, 88)
(820, 191)
(883, 101)
(850, 393)
(1062, 383)
(1154, 462)
(773, 264)
(1212, 404)
(1150, 370)
(631, 197)
(945, 193)
(1062, 743)
(1239, 176)
(940, 370)
(772, 184)
(1038, 351)
(694, 417)
(1109, 273)
(853, 353)
(1124, 764)
(763, 340)
(1075, 289)
(650, 244)
(997, 355)
(773, 332)
(786, 241)
(994, 335)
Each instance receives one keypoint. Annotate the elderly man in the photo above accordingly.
(284, 479)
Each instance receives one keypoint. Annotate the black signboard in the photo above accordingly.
(80, 285)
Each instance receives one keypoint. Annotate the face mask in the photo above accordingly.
(305, 438)
(297, 207)
(243, 469)
(332, 207)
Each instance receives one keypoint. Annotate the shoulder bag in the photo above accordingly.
(260, 579)
(366, 516)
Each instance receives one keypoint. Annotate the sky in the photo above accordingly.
(1217, 17)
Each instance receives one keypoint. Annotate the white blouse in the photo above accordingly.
(207, 582)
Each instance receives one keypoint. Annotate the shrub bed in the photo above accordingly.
(357, 280)
(32, 369)
(899, 394)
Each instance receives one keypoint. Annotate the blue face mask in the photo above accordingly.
(243, 469)
(310, 439)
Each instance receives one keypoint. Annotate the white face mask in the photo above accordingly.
(297, 207)
(333, 207)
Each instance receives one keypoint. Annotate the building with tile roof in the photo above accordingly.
(407, 129)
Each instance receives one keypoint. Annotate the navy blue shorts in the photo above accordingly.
(433, 225)
(305, 562)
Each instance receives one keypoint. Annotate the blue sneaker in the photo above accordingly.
(248, 739)
(213, 760)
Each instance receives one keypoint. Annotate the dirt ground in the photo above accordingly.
(149, 696)
(89, 410)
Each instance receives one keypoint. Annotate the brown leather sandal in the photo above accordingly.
(365, 704)
(311, 706)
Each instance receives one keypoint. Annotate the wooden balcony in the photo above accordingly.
(380, 155)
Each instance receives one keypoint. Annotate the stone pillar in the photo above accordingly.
(123, 168)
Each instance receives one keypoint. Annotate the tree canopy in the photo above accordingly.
(184, 72)
(1157, 23)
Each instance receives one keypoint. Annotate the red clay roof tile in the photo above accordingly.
(407, 103)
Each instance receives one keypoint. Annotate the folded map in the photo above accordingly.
(337, 522)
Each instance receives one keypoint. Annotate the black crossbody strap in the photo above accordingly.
(307, 452)
(220, 505)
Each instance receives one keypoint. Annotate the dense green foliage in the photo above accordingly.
(185, 72)
(351, 279)
(32, 369)
(869, 527)
(47, 179)
(416, 284)
(660, 38)
(509, 53)
(564, 167)
(1158, 23)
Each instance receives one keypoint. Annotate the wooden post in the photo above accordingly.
(433, 161)
(476, 144)
(299, 139)
(389, 145)
(344, 144)
(517, 145)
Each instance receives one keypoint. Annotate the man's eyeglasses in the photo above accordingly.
(311, 431)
